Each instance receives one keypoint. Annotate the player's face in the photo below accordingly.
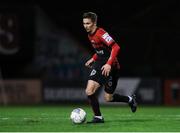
(88, 25)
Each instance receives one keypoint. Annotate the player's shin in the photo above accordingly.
(94, 104)
(120, 98)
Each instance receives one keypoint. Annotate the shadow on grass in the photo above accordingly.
(130, 120)
(123, 121)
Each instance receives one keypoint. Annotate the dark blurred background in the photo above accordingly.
(46, 41)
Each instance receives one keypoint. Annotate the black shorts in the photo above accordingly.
(109, 82)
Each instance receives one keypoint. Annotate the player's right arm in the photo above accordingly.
(94, 57)
(90, 61)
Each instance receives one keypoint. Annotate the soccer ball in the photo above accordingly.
(78, 116)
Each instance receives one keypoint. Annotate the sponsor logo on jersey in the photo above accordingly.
(107, 37)
(100, 52)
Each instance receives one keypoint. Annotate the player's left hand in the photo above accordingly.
(106, 69)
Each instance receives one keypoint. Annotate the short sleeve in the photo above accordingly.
(106, 38)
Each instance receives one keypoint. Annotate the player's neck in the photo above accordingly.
(93, 30)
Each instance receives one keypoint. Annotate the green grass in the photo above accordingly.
(117, 119)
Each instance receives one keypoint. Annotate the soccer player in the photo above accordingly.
(104, 68)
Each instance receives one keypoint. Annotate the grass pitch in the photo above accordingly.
(117, 119)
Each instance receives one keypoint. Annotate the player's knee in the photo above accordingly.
(89, 92)
(108, 98)
(92, 86)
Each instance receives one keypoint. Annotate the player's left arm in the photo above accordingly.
(115, 48)
(107, 67)
(114, 52)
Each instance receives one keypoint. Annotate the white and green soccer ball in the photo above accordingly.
(78, 116)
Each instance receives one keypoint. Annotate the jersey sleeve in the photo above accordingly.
(106, 38)
(94, 57)
(114, 52)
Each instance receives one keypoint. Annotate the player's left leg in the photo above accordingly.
(110, 87)
(131, 100)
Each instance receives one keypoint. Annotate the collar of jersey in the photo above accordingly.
(94, 31)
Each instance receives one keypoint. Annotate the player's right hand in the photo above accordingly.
(89, 63)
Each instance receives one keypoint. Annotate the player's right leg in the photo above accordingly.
(91, 88)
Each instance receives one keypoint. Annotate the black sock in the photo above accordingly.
(94, 104)
(120, 98)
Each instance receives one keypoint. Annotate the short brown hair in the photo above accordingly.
(90, 15)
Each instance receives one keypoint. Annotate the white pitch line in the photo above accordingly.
(164, 117)
(4, 118)
(30, 118)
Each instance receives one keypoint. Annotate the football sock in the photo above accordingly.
(94, 104)
(120, 98)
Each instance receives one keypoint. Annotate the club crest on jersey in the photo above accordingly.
(92, 41)
(93, 72)
(107, 37)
